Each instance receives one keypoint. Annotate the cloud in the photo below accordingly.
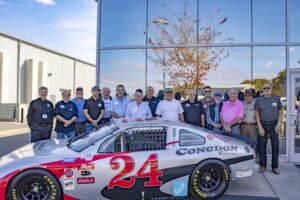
(46, 2)
(268, 64)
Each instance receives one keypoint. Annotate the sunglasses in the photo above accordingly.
(168, 91)
(266, 88)
(207, 91)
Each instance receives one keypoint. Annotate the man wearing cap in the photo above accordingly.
(80, 123)
(138, 110)
(152, 101)
(213, 121)
(93, 109)
(232, 113)
(118, 105)
(193, 110)
(208, 100)
(249, 125)
(66, 114)
(170, 109)
(269, 112)
(40, 116)
(106, 98)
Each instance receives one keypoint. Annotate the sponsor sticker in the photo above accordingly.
(180, 188)
(88, 180)
(85, 173)
(210, 137)
(88, 156)
(87, 167)
(68, 159)
(69, 173)
(69, 184)
(62, 106)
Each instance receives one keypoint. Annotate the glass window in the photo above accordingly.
(294, 20)
(123, 22)
(229, 68)
(125, 67)
(187, 138)
(172, 22)
(224, 21)
(295, 57)
(269, 20)
(172, 67)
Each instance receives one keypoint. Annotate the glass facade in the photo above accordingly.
(192, 43)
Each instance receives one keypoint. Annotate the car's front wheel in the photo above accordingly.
(209, 180)
(34, 184)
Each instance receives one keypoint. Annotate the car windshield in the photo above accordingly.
(84, 140)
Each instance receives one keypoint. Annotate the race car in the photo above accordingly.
(127, 161)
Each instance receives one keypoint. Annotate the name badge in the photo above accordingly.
(205, 106)
(71, 109)
(187, 105)
(44, 116)
(196, 104)
(115, 103)
(274, 104)
(99, 105)
(154, 102)
(62, 106)
(48, 105)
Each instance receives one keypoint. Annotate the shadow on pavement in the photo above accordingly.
(10, 143)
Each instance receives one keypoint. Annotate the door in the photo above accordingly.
(293, 116)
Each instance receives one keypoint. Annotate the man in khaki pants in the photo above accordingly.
(249, 124)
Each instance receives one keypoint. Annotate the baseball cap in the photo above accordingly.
(168, 90)
(96, 88)
(248, 92)
(218, 94)
(79, 89)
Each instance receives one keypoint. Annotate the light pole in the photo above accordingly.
(162, 22)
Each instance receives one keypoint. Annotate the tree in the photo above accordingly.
(186, 67)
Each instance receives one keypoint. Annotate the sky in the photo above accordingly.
(67, 26)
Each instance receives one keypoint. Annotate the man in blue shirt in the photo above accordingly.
(118, 105)
(81, 120)
(66, 114)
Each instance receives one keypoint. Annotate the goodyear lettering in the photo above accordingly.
(184, 151)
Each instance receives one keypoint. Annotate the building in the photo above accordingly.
(192, 43)
(25, 66)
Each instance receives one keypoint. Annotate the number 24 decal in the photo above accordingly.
(153, 173)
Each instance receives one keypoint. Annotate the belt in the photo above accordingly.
(268, 122)
(80, 122)
(248, 124)
(43, 125)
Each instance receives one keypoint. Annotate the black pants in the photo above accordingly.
(269, 128)
(80, 128)
(40, 132)
(106, 120)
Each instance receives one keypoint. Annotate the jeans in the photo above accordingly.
(62, 135)
(89, 127)
(269, 128)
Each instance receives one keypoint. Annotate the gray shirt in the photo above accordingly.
(268, 107)
(249, 112)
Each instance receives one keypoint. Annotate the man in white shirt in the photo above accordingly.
(170, 109)
(138, 110)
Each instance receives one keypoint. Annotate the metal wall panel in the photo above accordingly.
(85, 77)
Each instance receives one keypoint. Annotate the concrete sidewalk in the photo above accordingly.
(12, 128)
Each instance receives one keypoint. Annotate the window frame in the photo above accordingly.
(190, 132)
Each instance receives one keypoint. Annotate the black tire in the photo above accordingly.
(32, 184)
(209, 180)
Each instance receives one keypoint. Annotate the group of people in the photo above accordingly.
(255, 118)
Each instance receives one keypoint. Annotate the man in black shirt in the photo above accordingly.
(193, 110)
(152, 101)
(66, 113)
(93, 109)
(40, 117)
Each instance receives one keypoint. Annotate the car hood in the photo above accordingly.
(41, 148)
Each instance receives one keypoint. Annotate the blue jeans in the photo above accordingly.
(89, 127)
(62, 135)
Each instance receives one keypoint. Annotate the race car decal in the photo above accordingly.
(129, 162)
(184, 151)
(139, 191)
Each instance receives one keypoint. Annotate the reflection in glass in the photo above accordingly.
(295, 57)
(269, 20)
(294, 20)
(123, 22)
(231, 19)
(172, 22)
(125, 67)
(296, 112)
(232, 72)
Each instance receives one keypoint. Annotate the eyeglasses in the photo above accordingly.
(266, 88)
(207, 91)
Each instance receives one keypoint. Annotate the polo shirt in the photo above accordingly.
(119, 106)
(81, 118)
(193, 112)
(232, 110)
(94, 107)
(66, 110)
(268, 107)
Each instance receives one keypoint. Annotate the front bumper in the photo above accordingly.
(244, 169)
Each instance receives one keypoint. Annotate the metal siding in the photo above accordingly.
(9, 48)
(85, 76)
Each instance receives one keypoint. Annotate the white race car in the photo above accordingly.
(127, 161)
